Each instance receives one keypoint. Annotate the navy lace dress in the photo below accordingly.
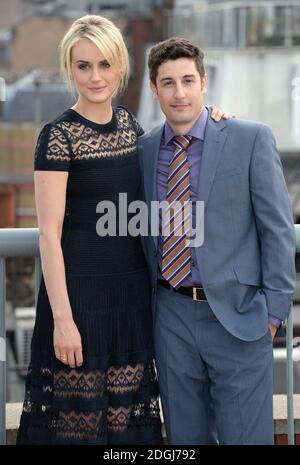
(113, 397)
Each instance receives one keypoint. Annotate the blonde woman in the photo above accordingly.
(91, 379)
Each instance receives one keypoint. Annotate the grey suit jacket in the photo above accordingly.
(247, 260)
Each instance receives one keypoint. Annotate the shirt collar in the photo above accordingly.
(197, 130)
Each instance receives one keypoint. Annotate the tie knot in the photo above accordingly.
(182, 141)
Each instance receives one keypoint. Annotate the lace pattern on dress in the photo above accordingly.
(79, 425)
(57, 147)
(64, 140)
(85, 424)
(75, 383)
(88, 143)
(90, 425)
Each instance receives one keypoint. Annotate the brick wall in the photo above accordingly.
(35, 44)
(17, 202)
(7, 207)
(139, 33)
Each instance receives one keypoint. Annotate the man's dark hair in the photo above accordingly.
(172, 49)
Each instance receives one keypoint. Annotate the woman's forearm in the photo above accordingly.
(54, 275)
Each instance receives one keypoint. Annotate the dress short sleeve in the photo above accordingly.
(139, 130)
(136, 126)
(52, 152)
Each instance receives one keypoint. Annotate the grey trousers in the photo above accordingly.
(214, 387)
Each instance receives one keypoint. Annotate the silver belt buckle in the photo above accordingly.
(195, 294)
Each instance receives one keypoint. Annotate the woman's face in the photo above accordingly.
(95, 79)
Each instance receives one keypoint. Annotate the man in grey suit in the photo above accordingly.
(216, 306)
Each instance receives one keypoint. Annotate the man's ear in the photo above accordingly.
(153, 89)
(204, 84)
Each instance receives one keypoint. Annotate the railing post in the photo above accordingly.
(14, 242)
(2, 353)
(290, 378)
(290, 361)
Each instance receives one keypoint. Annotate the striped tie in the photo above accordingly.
(176, 253)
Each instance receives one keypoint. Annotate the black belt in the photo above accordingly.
(197, 293)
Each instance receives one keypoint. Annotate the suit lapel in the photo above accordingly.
(215, 136)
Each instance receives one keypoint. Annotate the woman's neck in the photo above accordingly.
(100, 113)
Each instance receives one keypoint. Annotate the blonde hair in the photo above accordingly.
(106, 36)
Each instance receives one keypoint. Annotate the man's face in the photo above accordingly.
(180, 90)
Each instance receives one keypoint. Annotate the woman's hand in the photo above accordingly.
(67, 343)
(217, 114)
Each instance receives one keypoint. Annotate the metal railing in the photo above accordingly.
(23, 242)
